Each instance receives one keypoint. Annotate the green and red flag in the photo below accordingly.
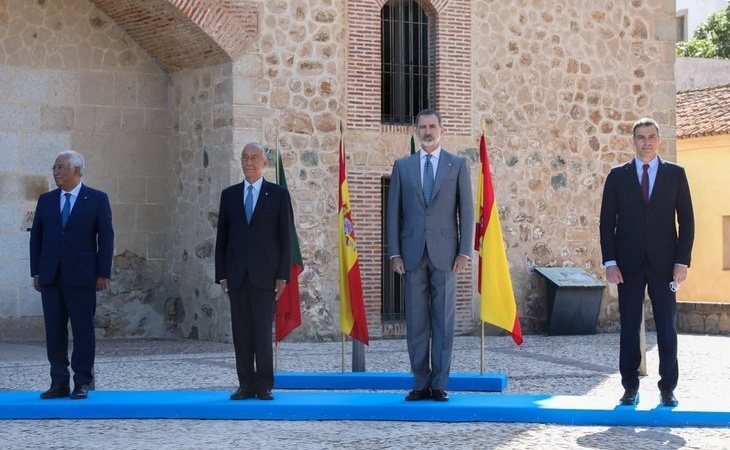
(288, 310)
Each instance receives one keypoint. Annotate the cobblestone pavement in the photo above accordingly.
(573, 365)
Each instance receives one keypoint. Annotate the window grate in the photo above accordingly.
(405, 64)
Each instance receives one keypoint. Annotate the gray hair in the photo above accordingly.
(255, 145)
(429, 112)
(75, 159)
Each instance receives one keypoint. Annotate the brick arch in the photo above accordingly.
(451, 50)
(431, 6)
(185, 34)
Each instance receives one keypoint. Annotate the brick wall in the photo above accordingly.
(450, 29)
(187, 33)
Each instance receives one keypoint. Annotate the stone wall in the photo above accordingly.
(204, 162)
(70, 78)
(703, 318)
(559, 84)
(296, 77)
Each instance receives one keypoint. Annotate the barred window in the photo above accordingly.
(405, 71)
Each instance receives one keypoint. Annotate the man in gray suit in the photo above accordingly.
(430, 237)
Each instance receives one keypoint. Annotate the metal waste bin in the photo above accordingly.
(573, 300)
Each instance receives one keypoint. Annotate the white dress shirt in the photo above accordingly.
(74, 195)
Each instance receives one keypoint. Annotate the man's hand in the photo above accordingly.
(101, 283)
(613, 275)
(37, 283)
(279, 289)
(680, 273)
(460, 263)
(224, 286)
(397, 264)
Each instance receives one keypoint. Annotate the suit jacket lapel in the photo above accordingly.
(634, 179)
(413, 169)
(658, 181)
(238, 208)
(444, 166)
(57, 206)
(79, 204)
(263, 196)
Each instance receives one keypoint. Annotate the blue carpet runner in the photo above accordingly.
(376, 406)
(490, 382)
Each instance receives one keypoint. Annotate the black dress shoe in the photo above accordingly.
(630, 397)
(668, 399)
(242, 394)
(56, 391)
(80, 392)
(266, 395)
(418, 394)
(439, 395)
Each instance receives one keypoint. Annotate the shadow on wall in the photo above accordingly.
(132, 305)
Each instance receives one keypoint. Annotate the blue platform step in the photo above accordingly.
(490, 382)
(378, 406)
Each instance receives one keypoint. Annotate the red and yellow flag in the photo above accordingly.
(288, 310)
(498, 305)
(353, 321)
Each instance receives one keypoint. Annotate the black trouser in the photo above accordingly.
(252, 317)
(664, 306)
(62, 302)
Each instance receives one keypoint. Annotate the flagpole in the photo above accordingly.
(481, 369)
(276, 162)
(344, 338)
(276, 171)
(484, 133)
(343, 352)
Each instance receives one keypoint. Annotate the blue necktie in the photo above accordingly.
(66, 211)
(248, 204)
(428, 179)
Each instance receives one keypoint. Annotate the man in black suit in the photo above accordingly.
(71, 247)
(643, 201)
(252, 264)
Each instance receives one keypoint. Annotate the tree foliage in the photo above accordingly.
(711, 39)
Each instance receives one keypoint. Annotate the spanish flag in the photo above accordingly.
(498, 305)
(353, 321)
(288, 310)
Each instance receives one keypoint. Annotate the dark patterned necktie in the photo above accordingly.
(645, 183)
(428, 179)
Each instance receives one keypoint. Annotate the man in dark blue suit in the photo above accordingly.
(71, 247)
(252, 264)
(643, 201)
